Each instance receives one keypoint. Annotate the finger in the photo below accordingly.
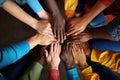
(70, 47)
(71, 32)
(59, 48)
(51, 48)
(46, 54)
(61, 36)
(55, 47)
(52, 40)
(64, 34)
(55, 30)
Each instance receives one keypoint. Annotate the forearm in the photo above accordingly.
(37, 8)
(33, 41)
(17, 12)
(100, 33)
(52, 5)
(94, 11)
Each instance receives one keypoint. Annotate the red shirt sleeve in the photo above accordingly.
(54, 74)
(107, 2)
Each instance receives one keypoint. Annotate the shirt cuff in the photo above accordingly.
(54, 74)
(35, 5)
(72, 74)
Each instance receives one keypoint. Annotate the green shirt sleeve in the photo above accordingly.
(2, 2)
(33, 72)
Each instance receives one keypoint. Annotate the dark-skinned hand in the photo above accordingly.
(58, 27)
(66, 56)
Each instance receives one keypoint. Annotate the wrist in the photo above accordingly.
(34, 24)
(69, 66)
(33, 41)
(54, 67)
(84, 66)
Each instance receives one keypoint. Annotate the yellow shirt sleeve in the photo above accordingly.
(88, 74)
(107, 58)
(70, 7)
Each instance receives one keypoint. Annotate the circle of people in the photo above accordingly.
(86, 35)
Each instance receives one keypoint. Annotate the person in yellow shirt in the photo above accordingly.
(101, 62)
(89, 70)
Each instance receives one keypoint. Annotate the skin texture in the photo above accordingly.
(44, 27)
(44, 15)
(94, 33)
(78, 25)
(53, 58)
(40, 39)
(41, 26)
(58, 21)
(66, 56)
(79, 54)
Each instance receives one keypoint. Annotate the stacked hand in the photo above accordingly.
(77, 25)
(79, 54)
(44, 27)
(83, 37)
(66, 56)
(52, 57)
(59, 28)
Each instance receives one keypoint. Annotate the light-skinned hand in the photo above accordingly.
(52, 57)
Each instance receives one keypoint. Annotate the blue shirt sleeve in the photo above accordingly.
(35, 5)
(2, 2)
(72, 74)
(12, 53)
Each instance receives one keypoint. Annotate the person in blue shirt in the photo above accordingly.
(13, 52)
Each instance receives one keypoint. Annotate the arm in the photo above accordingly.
(96, 33)
(35, 70)
(67, 58)
(12, 53)
(57, 20)
(14, 9)
(37, 8)
(53, 60)
(41, 26)
(79, 24)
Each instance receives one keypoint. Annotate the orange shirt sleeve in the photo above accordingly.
(70, 7)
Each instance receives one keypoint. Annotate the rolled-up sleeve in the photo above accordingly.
(2, 2)
(12, 53)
